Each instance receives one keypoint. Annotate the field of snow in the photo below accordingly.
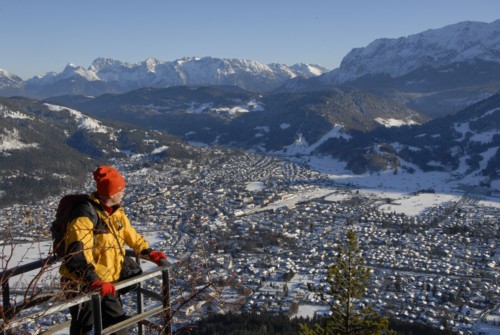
(401, 187)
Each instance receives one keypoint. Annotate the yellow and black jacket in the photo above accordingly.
(93, 250)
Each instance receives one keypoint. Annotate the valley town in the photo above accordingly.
(271, 227)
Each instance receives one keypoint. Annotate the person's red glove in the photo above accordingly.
(156, 256)
(105, 287)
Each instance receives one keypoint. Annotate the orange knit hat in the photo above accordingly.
(108, 180)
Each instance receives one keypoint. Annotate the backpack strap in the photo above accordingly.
(89, 209)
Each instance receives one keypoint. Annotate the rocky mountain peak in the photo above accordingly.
(461, 42)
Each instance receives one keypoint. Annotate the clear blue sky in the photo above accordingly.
(38, 36)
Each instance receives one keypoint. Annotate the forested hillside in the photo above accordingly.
(268, 324)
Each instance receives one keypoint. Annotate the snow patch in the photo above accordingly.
(7, 113)
(394, 122)
(84, 122)
(232, 110)
(255, 106)
(160, 149)
(251, 106)
(11, 140)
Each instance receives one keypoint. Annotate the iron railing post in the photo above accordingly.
(7, 312)
(166, 302)
(96, 309)
(140, 301)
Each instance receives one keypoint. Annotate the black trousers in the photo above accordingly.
(82, 316)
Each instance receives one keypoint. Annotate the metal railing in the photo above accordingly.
(10, 312)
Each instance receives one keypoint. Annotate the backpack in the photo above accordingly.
(63, 216)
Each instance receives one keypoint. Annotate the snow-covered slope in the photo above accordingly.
(84, 122)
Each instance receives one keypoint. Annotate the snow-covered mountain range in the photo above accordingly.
(106, 75)
(436, 72)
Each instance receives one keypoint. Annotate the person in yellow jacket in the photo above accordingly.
(95, 242)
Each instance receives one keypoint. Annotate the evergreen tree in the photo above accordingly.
(348, 279)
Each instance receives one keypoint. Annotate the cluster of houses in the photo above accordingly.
(263, 231)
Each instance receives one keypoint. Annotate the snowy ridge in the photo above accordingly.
(72, 70)
(307, 69)
(8, 79)
(461, 42)
(152, 72)
(84, 122)
(6, 74)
